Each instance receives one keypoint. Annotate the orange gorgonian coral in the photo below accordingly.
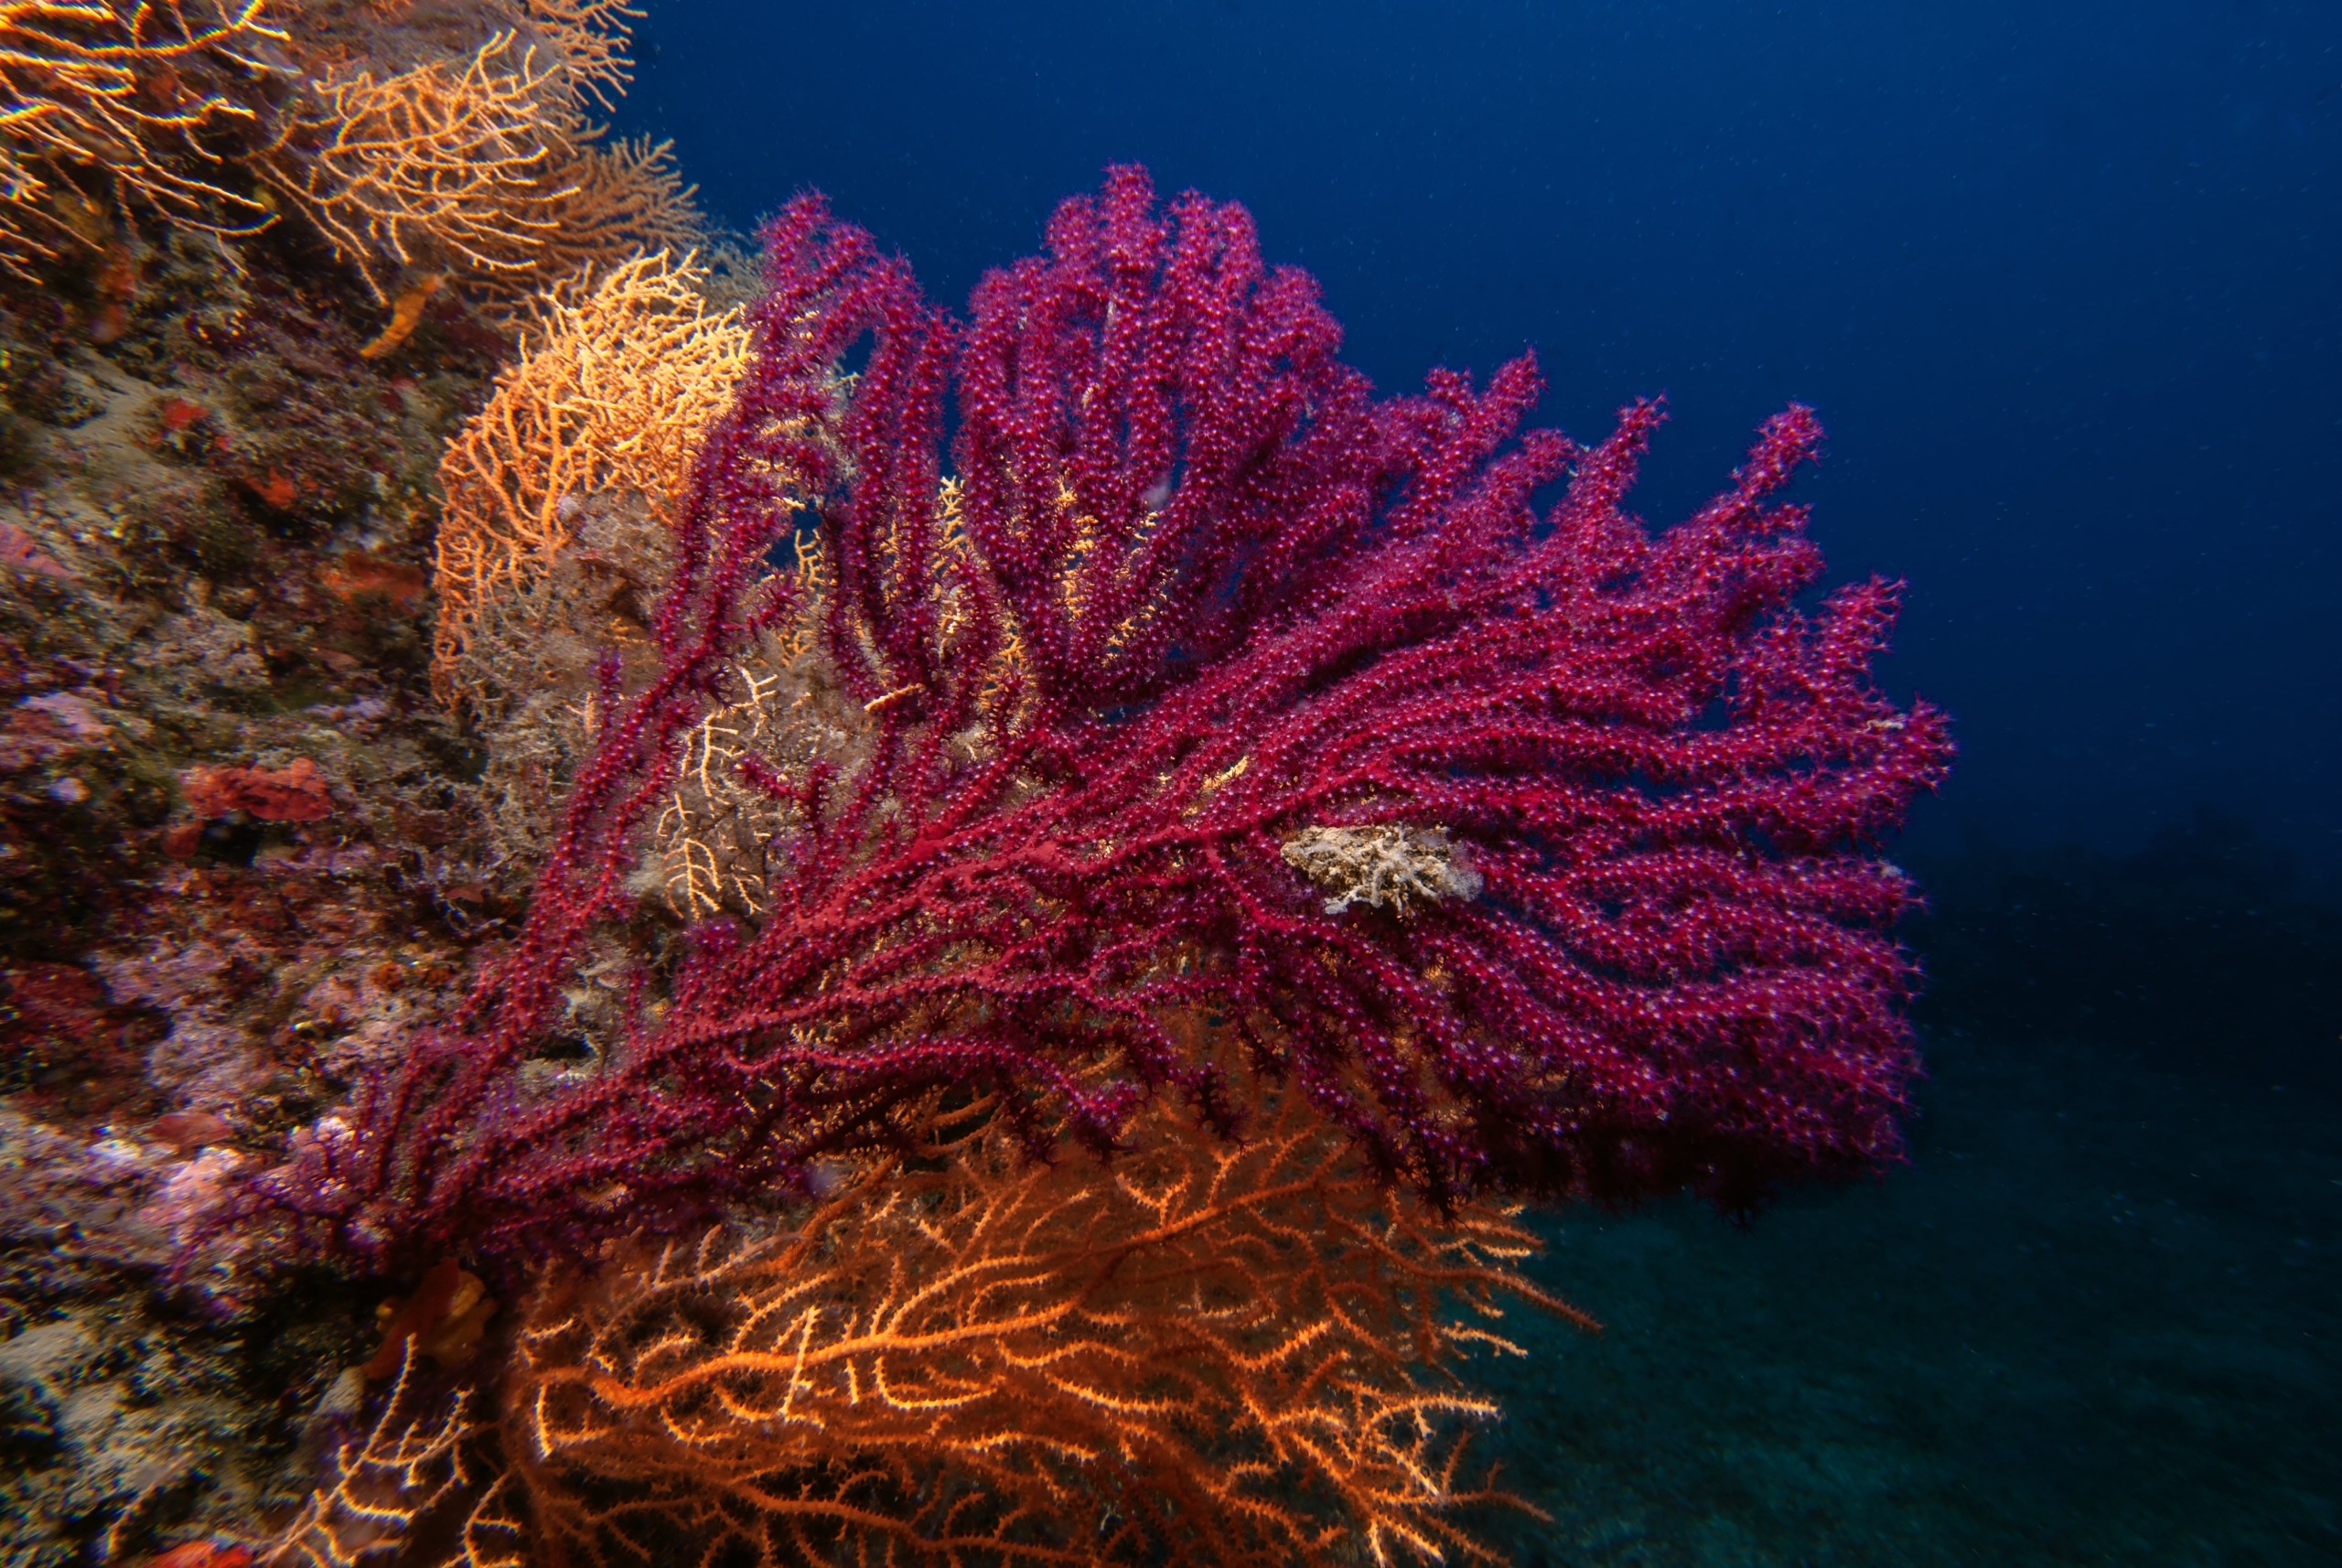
(441, 164)
(616, 382)
(106, 104)
(616, 199)
(589, 36)
(424, 153)
(420, 1472)
(483, 166)
(1206, 1353)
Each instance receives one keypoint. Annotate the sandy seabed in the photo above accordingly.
(2094, 1321)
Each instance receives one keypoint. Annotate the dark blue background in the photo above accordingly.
(2062, 280)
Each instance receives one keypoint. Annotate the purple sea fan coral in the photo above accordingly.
(1190, 592)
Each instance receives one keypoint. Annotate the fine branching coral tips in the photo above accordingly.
(1195, 679)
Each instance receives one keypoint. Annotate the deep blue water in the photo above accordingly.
(2065, 282)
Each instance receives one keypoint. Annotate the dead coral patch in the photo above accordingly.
(721, 840)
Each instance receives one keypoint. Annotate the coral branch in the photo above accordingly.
(471, 161)
(483, 165)
(441, 166)
(617, 382)
(416, 1469)
(103, 103)
(1206, 1354)
(1191, 593)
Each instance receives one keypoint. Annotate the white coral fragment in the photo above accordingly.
(1379, 865)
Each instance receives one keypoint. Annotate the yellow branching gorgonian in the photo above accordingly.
(459, 153)
(616, 381)
(106, 106)
(444, 165)
(483, 168)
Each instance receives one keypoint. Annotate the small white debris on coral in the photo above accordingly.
(193, 1193)
(1379, 865)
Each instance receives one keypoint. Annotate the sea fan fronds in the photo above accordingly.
(1202, 1354)
(107, 106)
(618, 379)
